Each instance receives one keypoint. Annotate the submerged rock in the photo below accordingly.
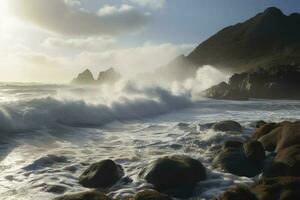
(174, 173)
(89, 195)
(56, 189)
(228, 125)
(151, 195)
(101, 175)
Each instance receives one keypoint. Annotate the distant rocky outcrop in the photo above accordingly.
(276, 82)
(109, 76)
(85, 77)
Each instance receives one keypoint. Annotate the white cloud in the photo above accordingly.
(81, 44)
(154, 4)
(61, 16)
(25, 64)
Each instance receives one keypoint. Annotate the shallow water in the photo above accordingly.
(51, 133)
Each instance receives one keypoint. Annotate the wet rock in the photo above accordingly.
(290, 136)
(101, 175)
(270, 140)
(289, 155)
(263, 130)
(237, 193)
(280, 188)
(227, 126)
(151, 195)
(260, 123)
(233, 144)
(255, 151)
(235, 161)
(174, 172)
(89, 195)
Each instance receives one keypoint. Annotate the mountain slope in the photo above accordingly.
(266, 39)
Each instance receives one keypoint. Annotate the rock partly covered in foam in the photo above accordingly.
(89, 195)
(276, 82)
(109, 76)
(175, 173)
(101, 175)
(150, 195)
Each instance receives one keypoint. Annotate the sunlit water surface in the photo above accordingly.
(50, 133)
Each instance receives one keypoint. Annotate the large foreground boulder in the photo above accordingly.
(101, 175)
(173, 173)
(89, 195)
(227, 125)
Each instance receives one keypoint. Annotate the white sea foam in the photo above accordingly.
(49, 134)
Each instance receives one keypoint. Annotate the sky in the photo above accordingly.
(54, 40)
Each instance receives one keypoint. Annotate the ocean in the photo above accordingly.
(49, 134)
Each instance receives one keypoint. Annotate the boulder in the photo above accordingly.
(235, 161)
(89, 195)
(228, 125)
(101, 175)
(174, 173)
(237, 193)
(263, 130)
(259, 123)
(151, 195)
(255, 151)
(269, 141)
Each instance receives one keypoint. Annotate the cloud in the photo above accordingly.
(154, 4)
(87, 44)
(68, 18)
(131, 61)
(25, 64)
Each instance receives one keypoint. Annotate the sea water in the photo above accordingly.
(49, 134)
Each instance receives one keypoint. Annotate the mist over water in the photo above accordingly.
(49, 134)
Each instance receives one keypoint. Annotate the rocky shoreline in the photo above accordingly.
(275, 82)
(271, 156)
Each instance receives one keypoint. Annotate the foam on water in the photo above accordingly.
(51, 133)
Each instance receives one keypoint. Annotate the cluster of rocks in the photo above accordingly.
(108, 76)
(175, 175)
(279, 168)
(272, 151)
(275, 82)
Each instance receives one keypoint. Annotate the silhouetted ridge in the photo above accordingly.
(268, 38)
